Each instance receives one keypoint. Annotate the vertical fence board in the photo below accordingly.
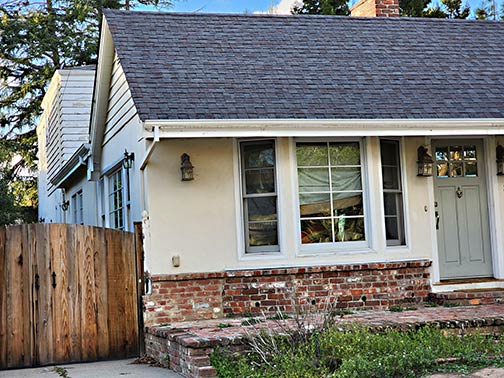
(18, 296)
(100, 263)
(60, 298)
(74, 287)
(140, 283)
(88, 293)
(128, 257)
(116, 285)
(3, 301)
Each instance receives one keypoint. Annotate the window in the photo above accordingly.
(77, 207)
(456, 161)
(331, 205)
(116, 206)
(259, 195)
(392, 192)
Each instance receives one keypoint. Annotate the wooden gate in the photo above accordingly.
(68, 293)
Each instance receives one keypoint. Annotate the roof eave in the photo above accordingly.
(193, 128)
(77, 160)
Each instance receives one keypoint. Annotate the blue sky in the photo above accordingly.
(233, 6)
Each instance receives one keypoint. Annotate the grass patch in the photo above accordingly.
(62, 372)
(360, 352)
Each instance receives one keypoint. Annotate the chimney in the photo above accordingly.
(375, 8)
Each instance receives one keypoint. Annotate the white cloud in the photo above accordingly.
(283, 7)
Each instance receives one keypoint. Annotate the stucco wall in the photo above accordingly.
(197, 220)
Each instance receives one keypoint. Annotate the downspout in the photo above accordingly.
(145, 212)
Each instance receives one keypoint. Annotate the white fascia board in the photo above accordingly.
(101, 92)
(322, 127)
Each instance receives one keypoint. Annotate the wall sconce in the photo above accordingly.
(424, 162)
(186, 168)
(65, 205)
(128, 159)
(500, 160)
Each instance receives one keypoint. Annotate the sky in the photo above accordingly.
(255, 6)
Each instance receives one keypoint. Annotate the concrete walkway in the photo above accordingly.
(104, 369)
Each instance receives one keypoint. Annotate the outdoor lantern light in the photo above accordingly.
(186, 168)
(424, 162)
(128, 159)
(500, 160)
(65, 205)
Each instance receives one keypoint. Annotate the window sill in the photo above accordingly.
(254, 256)
(335, 251)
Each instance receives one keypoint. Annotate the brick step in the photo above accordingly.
(468, 297)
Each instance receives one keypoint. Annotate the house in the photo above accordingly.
(63, 140)
(308, 157)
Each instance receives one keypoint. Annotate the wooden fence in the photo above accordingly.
(68, 293)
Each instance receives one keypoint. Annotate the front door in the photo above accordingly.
(461, 209)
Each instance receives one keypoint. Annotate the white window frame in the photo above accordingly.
(111, 192)
(349, 247)
(246, 252)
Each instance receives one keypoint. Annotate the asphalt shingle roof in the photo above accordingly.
(203, 66)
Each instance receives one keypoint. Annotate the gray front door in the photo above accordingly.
(461, 209)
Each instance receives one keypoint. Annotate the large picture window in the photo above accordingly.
(331, 202)
(259, 195)
(392, 192)
(116, 200)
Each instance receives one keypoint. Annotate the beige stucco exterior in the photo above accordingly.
(200, 220)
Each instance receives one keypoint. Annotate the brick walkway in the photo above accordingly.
(189, 343)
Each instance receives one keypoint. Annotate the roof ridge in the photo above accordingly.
(292, 16)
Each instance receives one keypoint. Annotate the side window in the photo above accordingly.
(78, 208)
(330, 190)
(259, 196)
(392, 192)
(116, 200)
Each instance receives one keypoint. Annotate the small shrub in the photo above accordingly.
(396, 308)
(224, 325)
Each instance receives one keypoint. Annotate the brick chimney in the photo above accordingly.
(375, 8)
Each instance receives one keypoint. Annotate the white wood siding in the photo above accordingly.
(121, 109)
(68, 114)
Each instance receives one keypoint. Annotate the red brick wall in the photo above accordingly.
(214, 295)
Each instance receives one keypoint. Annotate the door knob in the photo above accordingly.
(459, 192)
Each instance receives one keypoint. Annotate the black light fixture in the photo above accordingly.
(65, 205)
(500, 160)
(424, 162)
(186, 168)
(128, 159)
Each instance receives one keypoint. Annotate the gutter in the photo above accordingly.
(327, 127)
(77, 160)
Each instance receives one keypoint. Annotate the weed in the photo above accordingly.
(279, 316)
(62, 372)
(451, 304)
(251, 321)
(430, 304)
(396, 308)
(166, 360)
(224, 325)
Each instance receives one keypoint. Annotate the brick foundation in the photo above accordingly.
(183, 297)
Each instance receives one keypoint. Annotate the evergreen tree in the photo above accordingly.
(328, 7)
(413, 8)
(36, 39)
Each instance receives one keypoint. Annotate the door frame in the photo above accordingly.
(495, 219)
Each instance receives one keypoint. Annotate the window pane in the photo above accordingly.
(441, 153)
(390, 178)
(391, 228)
(455, 152)
(314, 205)
(311, 154)
(262, 208)
(313, 179)
(471, 169)
(344, 153)
(391, 202)
(260, 181)
(263, 234)
(316, 231)
(442, 169)
(455, 169)
(346, 179)
(469, 152)
(258, 155)
(349, 229)
(347, 204)
(389, 152)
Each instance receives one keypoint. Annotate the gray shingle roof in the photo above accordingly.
(203, 66)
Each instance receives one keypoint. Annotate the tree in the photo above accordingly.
(489, 10)
(329, 7)
(449, 9)
(37, 38)
(413, 8)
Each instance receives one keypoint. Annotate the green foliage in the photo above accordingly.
(361, 352)
(489, 10)
(426, 8)
(328, 7)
